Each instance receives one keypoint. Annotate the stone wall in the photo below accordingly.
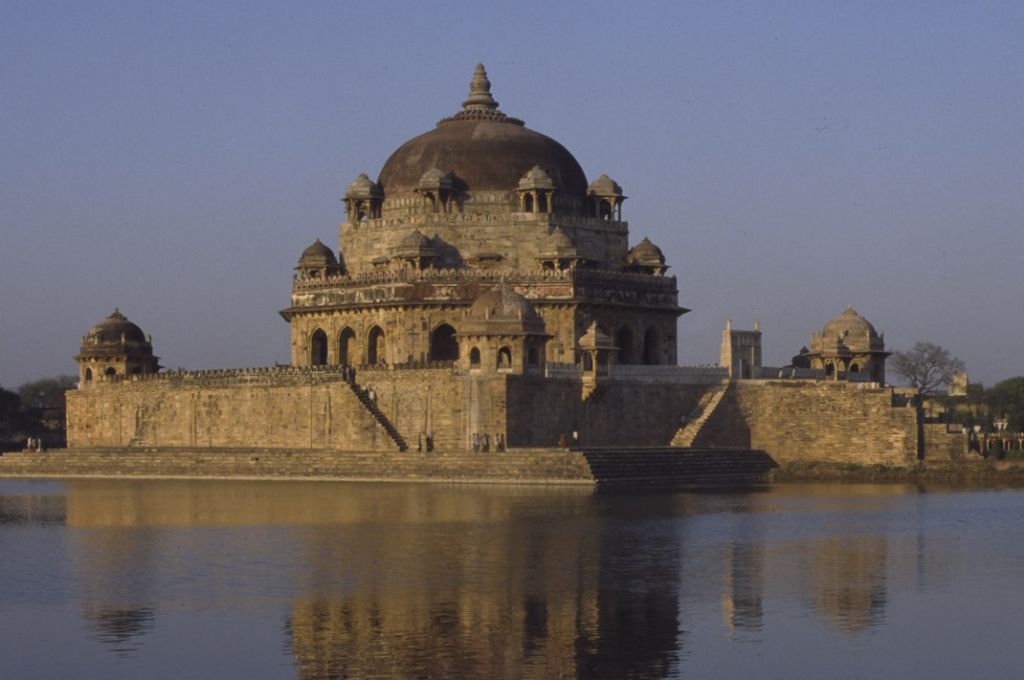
(940, 444)
(316, 409)
(618, 414)
(798, 420)
(268, 408)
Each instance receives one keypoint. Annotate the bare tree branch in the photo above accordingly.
(926, 366)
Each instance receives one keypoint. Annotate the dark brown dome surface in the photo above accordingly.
(115, 334)
(484, 149)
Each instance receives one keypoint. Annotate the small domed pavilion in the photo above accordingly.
(115, 347)
(849, 347)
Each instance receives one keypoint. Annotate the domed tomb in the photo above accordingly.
(115, 347)
(479, 200)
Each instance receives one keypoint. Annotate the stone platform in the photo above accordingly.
(647, 466)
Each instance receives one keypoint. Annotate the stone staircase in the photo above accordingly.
(709, 401)
(392, 431)
(667, 466)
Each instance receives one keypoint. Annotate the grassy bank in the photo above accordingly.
(984, 473)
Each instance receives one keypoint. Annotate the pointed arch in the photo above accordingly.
(652, 349)
(318, 348)
(375, 346)
(624, 341)
(347, 347)
(443, 345)
(504, 357)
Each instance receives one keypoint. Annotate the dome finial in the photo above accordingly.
(480, 92)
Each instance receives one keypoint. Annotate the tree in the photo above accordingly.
(47, 393)
(12, 417)
(926, 366)
(1007, 398)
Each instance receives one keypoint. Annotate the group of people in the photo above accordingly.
(33, 444)
(348, 373)
(482, 442)
(565, 443)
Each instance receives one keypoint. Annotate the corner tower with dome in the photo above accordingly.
(480, 201)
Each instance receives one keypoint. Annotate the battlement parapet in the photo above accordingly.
(421, 219)
(495, 276)
(269, 375)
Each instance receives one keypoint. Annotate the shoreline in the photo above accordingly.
(966, 473)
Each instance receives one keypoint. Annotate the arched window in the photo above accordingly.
(318, 348)
(347, 347)
(474, 357)
(854, 368)
(652, 353)
(542, 203)
(504, 358)
(375, 346)
(110, 372)
(588, 362)
(624, 339)
(528, 203)
(531, 357)
(443, 346)
(830, 369)
(88, 375)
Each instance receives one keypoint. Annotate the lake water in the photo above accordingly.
(209, 579)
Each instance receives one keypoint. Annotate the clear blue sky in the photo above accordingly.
(791, 158)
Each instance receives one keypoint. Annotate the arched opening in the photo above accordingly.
(318, 348)
(854, 368)
(542, 203)
(830, 369)
(504, 358)
(588, 362)
(443, 346)
(88, 375)
(375, 346)
(474, 358)
(528, 203)
(532, 356)
(347, 347)
(624, 340)
(110, 372)
(604, 210)
(652, 353)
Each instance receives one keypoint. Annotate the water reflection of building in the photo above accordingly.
(848, 580)
(529, 596)
(743, 587)
(114, 563)
(399, 580)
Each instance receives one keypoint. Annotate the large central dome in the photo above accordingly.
(484, 149)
